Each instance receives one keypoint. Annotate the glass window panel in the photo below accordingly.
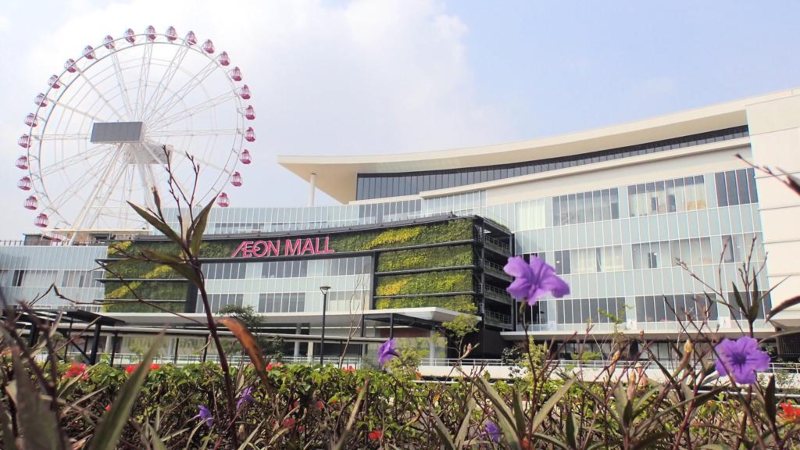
(730, 185)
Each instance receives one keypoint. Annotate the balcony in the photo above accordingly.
(498, 295)
(496, 270)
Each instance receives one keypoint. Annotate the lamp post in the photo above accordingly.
(324, 290)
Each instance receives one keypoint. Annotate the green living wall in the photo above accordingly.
(158, 283)
(131, 278)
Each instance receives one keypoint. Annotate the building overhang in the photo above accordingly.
(337, 175)
(335, 319)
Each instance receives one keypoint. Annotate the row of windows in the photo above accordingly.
(589, 260)
(290, 269)
(595, 310)
(46, 278)
(381, 186)
(652, 255)
(586, 207)
(282, 302)
(682, 194)
(219, 301)
(736, 187)
(669, 308)
(224, 271)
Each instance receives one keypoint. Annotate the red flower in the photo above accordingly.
(349, 369)
(108, 408)
(76, 370)
(130, 368)
(320, 405)
(271, 365)
(790, 411)
(375, 435)
(288, 423)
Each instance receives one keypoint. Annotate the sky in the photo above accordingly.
(374, 76)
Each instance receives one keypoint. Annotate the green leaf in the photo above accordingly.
(755, 306)
(444, 433)
(783, 305)
(198, 228)
(519, 415)
(156, 222)
(175, 263)
(156, 441)
(36, 421)
(737, 296)
(464, 428)
(503, 413)
(649, 441)
(770, 403)
(572, 432)
(110, 428)
(542, 414)
(9, 442)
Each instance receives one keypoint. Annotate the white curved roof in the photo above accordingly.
(337, 175)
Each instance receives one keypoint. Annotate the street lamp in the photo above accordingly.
(324, 290)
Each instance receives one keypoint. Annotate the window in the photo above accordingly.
(17, 278)
(282, 302)
(682, 194)
(595, 310)
(376, 186)
(562, 261)
(735, 187)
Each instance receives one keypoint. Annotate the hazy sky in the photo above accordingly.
(336, 78)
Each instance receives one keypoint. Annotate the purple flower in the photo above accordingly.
(534, 280)
(205, 415)
(245, 398)
(387, 351)
(493, 431)
(741, 359)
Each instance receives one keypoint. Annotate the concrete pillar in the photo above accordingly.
(108, 345)
(312, 181)
(297, 331)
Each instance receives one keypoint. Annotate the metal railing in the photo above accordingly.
(496, 317)
(497, 294)
(496, 270)
(497, 245)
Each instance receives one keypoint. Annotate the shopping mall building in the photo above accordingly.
(420, 238)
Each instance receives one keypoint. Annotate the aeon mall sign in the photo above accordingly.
(291, 247)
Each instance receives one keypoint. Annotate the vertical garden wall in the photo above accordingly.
(426, 263)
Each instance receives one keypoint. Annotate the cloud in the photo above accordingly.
(328, 78)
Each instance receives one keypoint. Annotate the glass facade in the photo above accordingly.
(290, 286)
(371, 186)
(619, 247)
(27, 272)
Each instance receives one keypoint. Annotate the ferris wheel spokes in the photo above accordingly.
(123, 87)
(183, 91)
(112, 174)
(100, 94)
(167, 76)
(144, 75)
(72, 160)
(193, 110)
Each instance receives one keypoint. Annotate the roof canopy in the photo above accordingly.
(337, 175)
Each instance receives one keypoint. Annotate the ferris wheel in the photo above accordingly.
(103, 130)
